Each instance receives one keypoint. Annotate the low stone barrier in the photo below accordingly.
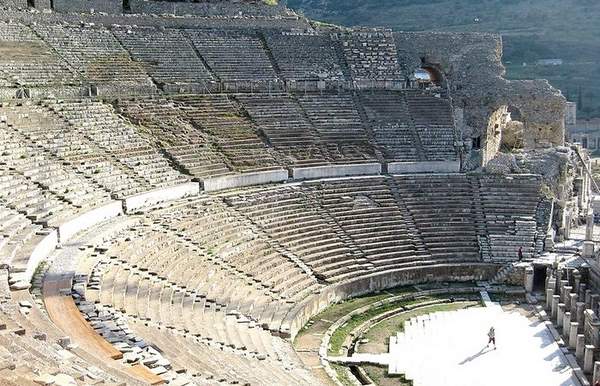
(303, 311)
(245, 179)
(423, 167)
(89, 219)
(344, 170)
(133, 203)
(21, 276)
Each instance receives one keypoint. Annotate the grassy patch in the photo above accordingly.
(336, 311)
(381, 332)
(339, 336)
(337, 339)
(507, 298)
(342, 375)
(380, 377)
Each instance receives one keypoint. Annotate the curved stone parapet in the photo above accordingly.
(139, 201)
(345, 170)
(303, 311)
(424, 167)
(89, 219)
(244, 179)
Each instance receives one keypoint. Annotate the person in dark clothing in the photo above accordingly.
(492, 337)
(520, 253)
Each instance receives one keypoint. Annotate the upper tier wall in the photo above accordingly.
(472, 66)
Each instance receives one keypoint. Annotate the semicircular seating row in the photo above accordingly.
(223, 272)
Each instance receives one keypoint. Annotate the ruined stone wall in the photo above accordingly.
(493, 135)
(17, 4)
(562, 172)
(224, 8)
(82, 6)
(515, 277)
(42, 4)
(471, 64)
(247, 22)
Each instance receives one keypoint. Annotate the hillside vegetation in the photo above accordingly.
(532, 30)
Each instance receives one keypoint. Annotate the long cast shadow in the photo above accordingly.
(481, 352)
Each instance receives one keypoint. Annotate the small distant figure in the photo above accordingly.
(491, 337)
(597, 383)
(520, 253)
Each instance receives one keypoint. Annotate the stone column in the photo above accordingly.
(573, 335)
(549, 242)
(588, 359)
(566, 325)
(596, 375)
(560, 315)
(568, 293)
(555, 301)
(580, 310)
(549, 294)
(573, 302)
(588, 249)
(591, 328)
(588, 244)
(582, 292)
(562, 290)
(548, 277)
(576, 280)
(529, 272)
(588, 298)
(594, 298)
(580, 347)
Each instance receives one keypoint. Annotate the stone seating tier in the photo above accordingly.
(168, 54)
(27, 61)
(433, 122)
(234, 56)
(232, 133)
(305, 57)
(94, 52)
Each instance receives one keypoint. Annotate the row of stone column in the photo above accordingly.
(573, 308)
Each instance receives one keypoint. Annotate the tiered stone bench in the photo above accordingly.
(96, 53)
(304, 57)
(169, 55)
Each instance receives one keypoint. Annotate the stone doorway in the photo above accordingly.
(539, 278)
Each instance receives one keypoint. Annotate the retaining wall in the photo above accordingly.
(131, 204)
(40, 253)
(424, 167)
(89, 219)
(298, 316)
(246, 179)
(344, 170)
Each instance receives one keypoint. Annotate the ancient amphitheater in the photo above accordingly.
(224, 192)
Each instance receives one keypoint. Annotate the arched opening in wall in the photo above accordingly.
(31, 3)
(126, 6)
(428, 76)
(435, 74)
(512, 128)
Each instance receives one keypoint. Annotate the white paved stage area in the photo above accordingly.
(449, 348)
